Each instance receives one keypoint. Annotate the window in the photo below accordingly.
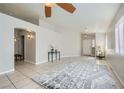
(119, 36)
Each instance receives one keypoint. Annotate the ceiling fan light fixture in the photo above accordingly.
(49, 4)
(66, 6)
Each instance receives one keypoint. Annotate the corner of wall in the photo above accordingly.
(8, 71)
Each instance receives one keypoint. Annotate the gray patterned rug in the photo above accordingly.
(77, 75)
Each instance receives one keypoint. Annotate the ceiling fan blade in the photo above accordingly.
(67, 6)
(47, 11)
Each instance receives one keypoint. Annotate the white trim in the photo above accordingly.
(70, 56)
(11, 70)
(116, 74)
(44, 61)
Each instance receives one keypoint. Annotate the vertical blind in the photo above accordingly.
(119, 36)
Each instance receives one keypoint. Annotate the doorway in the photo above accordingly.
(24, 46)
(88, 45)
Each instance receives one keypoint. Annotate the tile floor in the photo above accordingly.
(21, 77)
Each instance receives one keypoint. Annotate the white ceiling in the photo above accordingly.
(96, 17)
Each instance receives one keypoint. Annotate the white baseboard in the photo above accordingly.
(37, 63)
(116, 74)
(11, 70)
(70, 56)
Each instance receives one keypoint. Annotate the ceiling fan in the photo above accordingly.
(66, 6)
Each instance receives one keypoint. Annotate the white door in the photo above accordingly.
(87, 47)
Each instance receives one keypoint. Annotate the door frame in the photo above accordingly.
(25, 37)
(91, 36)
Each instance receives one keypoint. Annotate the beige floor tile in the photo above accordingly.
(40, 70)
(25, 71)
(17, 76)
(31, 74)
(31, 85)
(13, 74)
(10, 86)
(23, 83)
(28, 72)
(4, 81)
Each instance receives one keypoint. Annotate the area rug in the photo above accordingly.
(77, 75)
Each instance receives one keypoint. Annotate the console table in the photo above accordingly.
(56, 53)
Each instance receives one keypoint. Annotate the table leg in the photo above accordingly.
(48, 57)
(51, 57)
(56, 55)
(59, 55)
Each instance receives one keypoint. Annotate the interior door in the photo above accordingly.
(87, 47)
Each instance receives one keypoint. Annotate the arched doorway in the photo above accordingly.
(24, 46)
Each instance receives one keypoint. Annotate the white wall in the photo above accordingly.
(71, 42)
(67, 41)
(17, 46)
(47, 25)
(6, 51)
(7, 25)
(115, 60)
(44, 38)
(30, 47)
(100, 39)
